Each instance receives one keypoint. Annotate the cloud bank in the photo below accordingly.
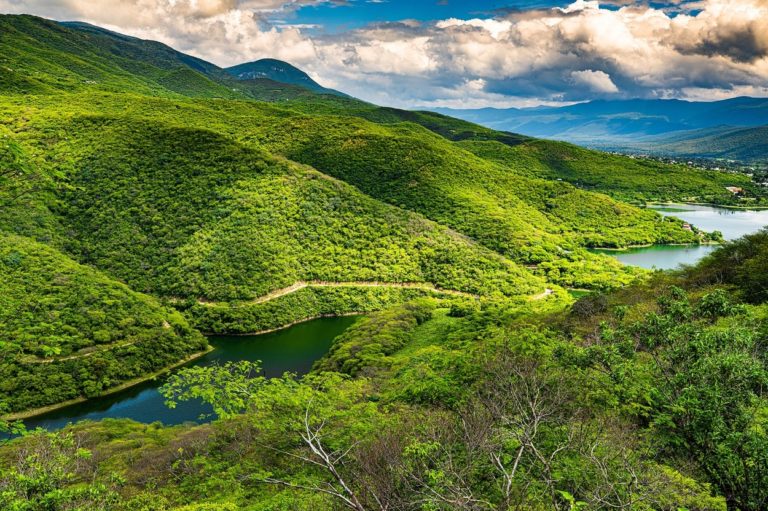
(707, 49)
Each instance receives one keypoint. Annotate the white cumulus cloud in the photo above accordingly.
(572, 53)
(597, 81)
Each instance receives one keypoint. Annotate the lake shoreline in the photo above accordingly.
(648, 245)
(732, 223)
(288, 325)
(708, 204)
(35, 412)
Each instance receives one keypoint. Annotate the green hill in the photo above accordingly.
(160, 171)
(67, 330)
(224, 222)
(278, 71)
(532, 221)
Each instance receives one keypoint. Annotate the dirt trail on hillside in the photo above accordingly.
(321, 283)
(292, 289)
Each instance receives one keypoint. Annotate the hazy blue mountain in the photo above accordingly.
(620, 119)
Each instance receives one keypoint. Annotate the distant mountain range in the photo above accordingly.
(715, 129)
(727, 142)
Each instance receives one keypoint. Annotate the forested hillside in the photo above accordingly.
(68, 331)
(147, 174)
(148, 197)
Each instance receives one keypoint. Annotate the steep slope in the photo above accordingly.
(278, 71)
(43, 56)
(532, 220)
(68, 331)
(185, 212)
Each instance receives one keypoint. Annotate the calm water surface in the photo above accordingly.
(294, 349)
(732, 223)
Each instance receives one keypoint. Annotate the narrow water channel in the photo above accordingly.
(293, 349)
(733, 223)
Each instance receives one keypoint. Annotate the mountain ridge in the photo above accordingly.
(621, 123)
(278, 71)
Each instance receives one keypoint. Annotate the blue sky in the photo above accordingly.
(465, 54)
(335, 18)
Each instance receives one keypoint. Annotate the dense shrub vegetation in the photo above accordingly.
(145, 197)
(224, 222)
(742, 263)
(68, 331)
(243, 318)
(623, 402)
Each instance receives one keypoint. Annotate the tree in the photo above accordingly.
(316, 421)
(52, 471)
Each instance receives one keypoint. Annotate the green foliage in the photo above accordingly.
(374, 337)
(68, 331)
(223, 222)
(692, 371)
(46, 474)
(509, 212)
(42, 56)
(742, 263)
(639, 180)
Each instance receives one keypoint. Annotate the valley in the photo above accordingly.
(233, 288)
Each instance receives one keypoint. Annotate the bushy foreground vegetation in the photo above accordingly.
(647, 398)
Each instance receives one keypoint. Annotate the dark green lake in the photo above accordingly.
(293, 349)
(731, 222)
